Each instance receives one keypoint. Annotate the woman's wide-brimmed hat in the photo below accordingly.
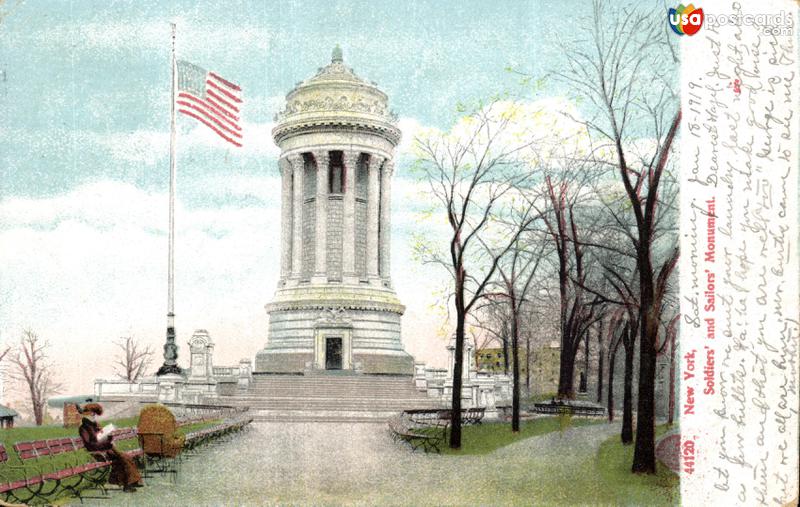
(94, 408)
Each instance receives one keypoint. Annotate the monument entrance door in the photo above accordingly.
(333, 353)
(333, 341)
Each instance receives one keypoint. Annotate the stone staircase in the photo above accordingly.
(331, 396)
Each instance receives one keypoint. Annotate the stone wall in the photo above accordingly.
(376, 342)
(399, 364)
(294, 329)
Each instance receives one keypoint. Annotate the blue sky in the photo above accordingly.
(76, 69)
(84, 155)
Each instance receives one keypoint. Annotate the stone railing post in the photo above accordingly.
(245, 376)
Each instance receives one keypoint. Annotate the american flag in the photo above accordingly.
(211, 100)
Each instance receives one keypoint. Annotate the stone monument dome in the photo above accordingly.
(335, 307)
(336, 96)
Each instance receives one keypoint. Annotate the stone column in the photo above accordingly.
(386, 220)
(349, 222)
(286, 219)
(320, 268)
(373, 204)
(296, 161)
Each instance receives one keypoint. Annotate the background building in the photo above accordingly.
(543, 364)
(493, 360)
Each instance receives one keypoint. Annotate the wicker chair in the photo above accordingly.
(158, 432)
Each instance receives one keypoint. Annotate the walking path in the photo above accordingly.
(359, 464)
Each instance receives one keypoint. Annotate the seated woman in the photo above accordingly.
(123, 470)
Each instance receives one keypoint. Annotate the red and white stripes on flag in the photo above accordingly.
(211, 100)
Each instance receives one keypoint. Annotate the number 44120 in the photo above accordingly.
(687, 455)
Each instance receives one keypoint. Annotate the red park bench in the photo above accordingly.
(41, 478)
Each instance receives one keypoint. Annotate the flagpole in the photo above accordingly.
(172, 140)
(170, 365)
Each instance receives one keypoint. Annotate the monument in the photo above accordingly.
(335, 308)
(334, 349)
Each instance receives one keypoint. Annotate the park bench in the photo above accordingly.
(468, 415)
(42, 478)
(561, 408)
(38, 479)
(423, 415)
(162, 443)
(419, 430)
(196, 438)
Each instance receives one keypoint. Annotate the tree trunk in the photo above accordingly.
(36, 403)
(505, 349)
(600, 363)
(671, 416)
(458, 363)
(600, 368)
(644, 455)
(586, 358)
(627, 400)
(515, 365)
(528, 363)
(37, 409)
(566, 388)
(611, 360)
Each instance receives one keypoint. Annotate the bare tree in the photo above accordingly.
(627, 76)
(614, 341)
(33, 370)
(625, 323)
(577, 313)
(132, 360)
(601, 352)
(535, 314)
(517, 274)
(470, 175)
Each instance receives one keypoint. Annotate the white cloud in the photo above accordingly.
(150, 146)
(89, 266)
(410, 128)
(102, 204)
(550, 125)
(83, 267)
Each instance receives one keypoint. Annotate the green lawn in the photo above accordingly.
(15, 468)
(614, 465)
(23, 433)
(487, 437)
(568, 474)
